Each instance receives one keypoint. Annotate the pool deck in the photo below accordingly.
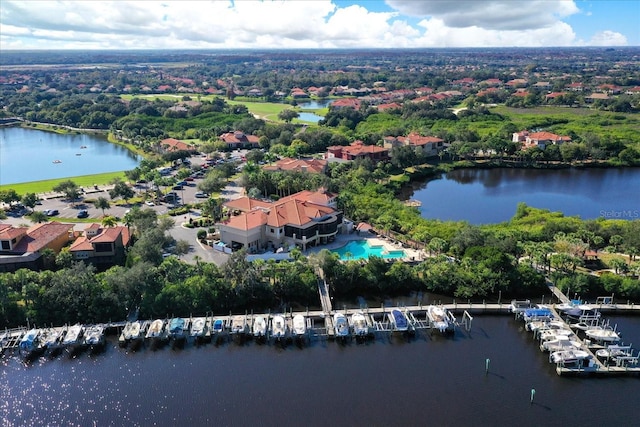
(343, 239)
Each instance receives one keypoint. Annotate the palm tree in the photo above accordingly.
(109, 221)
(102, 203)
(38, 216)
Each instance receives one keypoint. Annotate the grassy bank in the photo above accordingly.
(48, 184)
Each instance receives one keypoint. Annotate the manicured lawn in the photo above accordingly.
(47, 185)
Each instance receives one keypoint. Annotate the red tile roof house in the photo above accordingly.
(171, 144)
(358, 150)
(430, 145)
(346, 102)
(239, 139)
(298, 165)
(304, 219)
(20, 247)
(102, 246)
(538, 139)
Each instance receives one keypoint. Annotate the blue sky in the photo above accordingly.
(121, 24)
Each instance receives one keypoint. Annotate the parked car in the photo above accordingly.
(52, 212)
(177, 187)
(201, 195)
(83, 213)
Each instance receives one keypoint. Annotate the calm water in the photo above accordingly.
(28, 155)
(482, 196)
(426, 381)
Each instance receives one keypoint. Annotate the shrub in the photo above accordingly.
(202, 234)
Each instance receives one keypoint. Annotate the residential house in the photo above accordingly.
(21, 247)
(358, 150)
(298, 165)
(430, 145)
(171, 144)
(101, 246)
(239, 139)
(538, 139)
(303, 219)
(346, 103)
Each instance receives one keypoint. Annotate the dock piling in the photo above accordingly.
(533, 393)
(486, 366)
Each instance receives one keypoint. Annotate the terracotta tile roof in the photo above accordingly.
(82, 243)
(346, 102)
(238, 137)
(41, 235)
(108, 235)
(547, 136)
(172, 144)
(288, 164)
(246, 204)
(7, 232)
(247, 221)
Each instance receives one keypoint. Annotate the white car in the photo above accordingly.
(149, 203)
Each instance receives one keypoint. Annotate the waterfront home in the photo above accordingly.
(171, 144)
(101, 245)
(358, 150)
(298, 165)
(303, 219)
(429, 145)
(538, 139)
(21, 247)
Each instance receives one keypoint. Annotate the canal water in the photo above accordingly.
(482, 196)
(29, 155)
(423, 381)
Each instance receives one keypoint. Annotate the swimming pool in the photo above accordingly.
(360, 249)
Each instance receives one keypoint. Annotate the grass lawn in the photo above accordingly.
(47, 185)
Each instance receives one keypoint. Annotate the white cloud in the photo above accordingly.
(608, 38)
(489, 14)
(286, 24)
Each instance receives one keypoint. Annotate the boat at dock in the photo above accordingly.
(177, 327)
(518, 306)
(439, 319)
(278, 327)
(583, 313)
(29, 344)
(259, 327)
(73, 338)
(218, 327)
(132, 331)
(359, 324)
(94, 338)
(537, 314)
(239, 326)
(198, 328)
(614, 351)
(157, 332)
(51, 340)
(602, 335)
(299, 326)
(399, 320)
(559, 343)
(572, 359)
(340, 325)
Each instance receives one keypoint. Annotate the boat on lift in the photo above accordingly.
(73, 338)
(299, 326)
(359, 324)
(602, 335)
(29, 344)
(278, 327)
(439, 319)
(198, 328)
(131, 332)
(340, 325)
(572, 359)
(398, 320)
(259, 327)
(94, 338)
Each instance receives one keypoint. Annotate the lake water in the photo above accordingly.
(29, 155)
(482, 196)
(314, 105)
(423, 381)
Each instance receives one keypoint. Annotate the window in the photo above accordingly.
(272, 230)
(5, 245)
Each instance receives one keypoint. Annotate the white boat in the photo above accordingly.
(340, 325)
(572, 358)
(259, 327)
(615, 351)
(239, 325)
(299, 325)
(583, 312)
(518, 307)
(602, 335)
(541, 325)
(51, 339)
(198, 327)
(156, 329)
(29, 344)
(278, 327)
(566, 306)
(558, 343)
(73, 337)
(94, 337)
(359, 324)
(439, 319)
(550, 334)
(130, 332)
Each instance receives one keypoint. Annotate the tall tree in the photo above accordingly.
(102, 203)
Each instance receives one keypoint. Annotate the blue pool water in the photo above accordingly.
(360, 249)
